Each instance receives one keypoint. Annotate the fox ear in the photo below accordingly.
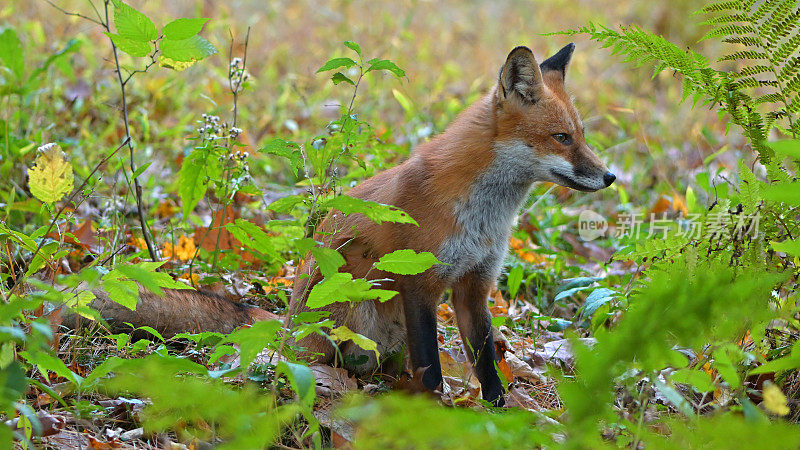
(558, 62)
(521, 76)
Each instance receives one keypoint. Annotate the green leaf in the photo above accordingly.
(180, 29)
(47, 362)
(287, 149)
(341, 287)
(11, 53)
(787, 246)
(253, 339)
(353, 46)
(339, 77)
(125, 292)
(572, 283)
(787, 147)
(192, 49)
(406, 262)
(695, 378)
(343, 334)
(335, 63)
(596, 299)
(514, 280)
(140, 170)
(385, 64)
(145, 275)
(131, 47)
(132, 24)
(192, 182)
(376, 212)
(328, 259)
(782, 193)
(301, 378)
(285, 204)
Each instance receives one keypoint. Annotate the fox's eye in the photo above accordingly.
(564, 138)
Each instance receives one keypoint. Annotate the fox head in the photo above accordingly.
(539, 128)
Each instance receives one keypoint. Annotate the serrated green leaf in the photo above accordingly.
(131, 47)
(180, 29)
(287, 149)
(353, 46)
(376, 212)
(343, 334)
(328, 259)
(11, 52)
(253, 339)
(285, 204)
(406, 262)
(192, 49)
(341, 287)
(385, 64)
(335, 63)
(133, 25)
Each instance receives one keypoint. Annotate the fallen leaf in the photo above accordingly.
(518, 398)
(332, 381)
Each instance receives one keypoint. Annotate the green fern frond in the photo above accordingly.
(746, 54)
(750, 41)
(729, 30)
(721, 7)
(772, 97)
(762, 10)
(788, 48)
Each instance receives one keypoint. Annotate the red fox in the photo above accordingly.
(464, 189)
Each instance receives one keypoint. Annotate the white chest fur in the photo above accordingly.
(486, 214)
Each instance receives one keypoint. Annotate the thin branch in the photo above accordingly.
(76, 14)
(137, 187)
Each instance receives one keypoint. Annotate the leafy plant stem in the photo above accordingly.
(137, 187)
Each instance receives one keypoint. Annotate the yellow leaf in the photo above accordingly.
(774, 400)
(50, 179)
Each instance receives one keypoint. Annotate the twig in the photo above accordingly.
(76, 14)
(58, 214)
(137, 187)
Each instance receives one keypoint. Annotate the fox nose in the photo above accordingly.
(609, 178)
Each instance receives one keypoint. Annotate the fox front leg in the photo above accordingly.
(419, 305)
(475, 326)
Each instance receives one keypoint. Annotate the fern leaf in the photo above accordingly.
(762, 10)
(730, 29)
(790, 47)
(768, 28)
(772, 97)
(727, 18)
(745, 54)
(721, 7)
(749, 41)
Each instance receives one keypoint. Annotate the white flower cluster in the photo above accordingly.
(211, 128)
(237, 75)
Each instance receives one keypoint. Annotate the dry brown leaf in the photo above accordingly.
(519, 398)
(332, 381)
